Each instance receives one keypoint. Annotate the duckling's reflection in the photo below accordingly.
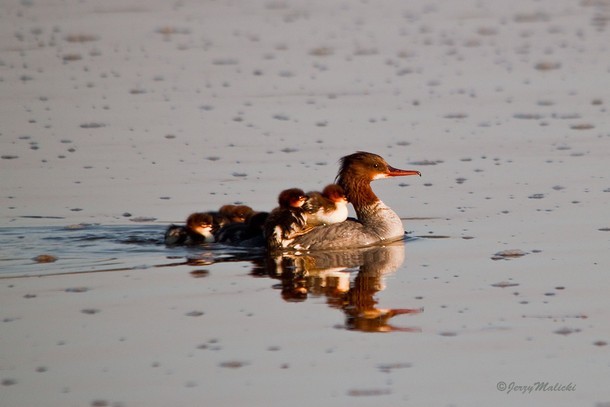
(328, 274)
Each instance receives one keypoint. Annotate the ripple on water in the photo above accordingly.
(87, 248)
(34, 251)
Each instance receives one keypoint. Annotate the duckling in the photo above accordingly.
(327, 207)
(244, 234)
(236, 213)
(199, 229)
(287, 220)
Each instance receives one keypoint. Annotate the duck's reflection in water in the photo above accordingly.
(331, 274)
(349, 279)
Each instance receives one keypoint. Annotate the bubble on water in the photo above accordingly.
(72, 57)
(76, 289)
(194, 313)
(582, 126)
(233, 364)
(81, 38)
(389, 367)
(566, 331)
(286, 74)
(547, 66)
(368, 392)
(143, 219)
(45, 258)
(456, 116)
(225, 61)
(9, 382)
(322, 51)
(533, 17)
(504, 284)
(426, 162)
(566, 116)
(528, 116)
(508, 254)
(92, 125)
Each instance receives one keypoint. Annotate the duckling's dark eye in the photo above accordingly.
(376, 166)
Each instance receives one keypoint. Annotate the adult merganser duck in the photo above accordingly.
(327, 207)
(376, 222)
(287, 220)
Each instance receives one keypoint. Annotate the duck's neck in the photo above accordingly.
(359, 193)
(371, 211)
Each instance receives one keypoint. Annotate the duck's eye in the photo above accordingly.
(376, 166)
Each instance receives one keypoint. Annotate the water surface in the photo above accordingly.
(82, 249)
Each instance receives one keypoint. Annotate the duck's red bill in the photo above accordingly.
(396, 172)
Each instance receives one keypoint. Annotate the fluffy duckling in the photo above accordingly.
(244, 234)
(327, 207)
(236, 213)
(199, 229)
(287, 220)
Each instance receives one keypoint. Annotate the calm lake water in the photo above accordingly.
(234, 312)
(79, 248)
(82, 249)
